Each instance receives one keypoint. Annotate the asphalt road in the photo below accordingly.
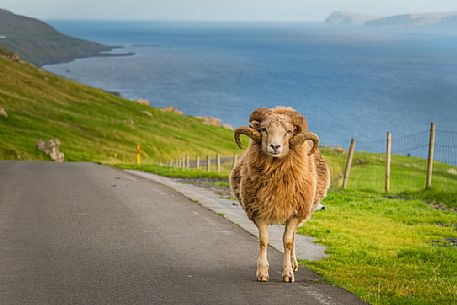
(80, 233)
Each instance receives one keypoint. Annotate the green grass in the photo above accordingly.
(93, 125)
(388, 251)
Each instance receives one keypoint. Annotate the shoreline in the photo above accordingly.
(99, 53)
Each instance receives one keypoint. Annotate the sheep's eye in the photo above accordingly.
(263, 130)
(289, 132)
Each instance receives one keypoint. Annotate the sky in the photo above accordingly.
(217, 10)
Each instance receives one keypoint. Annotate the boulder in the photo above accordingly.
(3, 113)
(143, 101)
(51, 148)
(145, 112)
(171, 109)
(339, 149)
(210, 120)
(452, 171)
(14, 57)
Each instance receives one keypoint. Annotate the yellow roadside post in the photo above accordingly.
(138, 153)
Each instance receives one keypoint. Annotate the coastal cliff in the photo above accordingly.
(37, 42)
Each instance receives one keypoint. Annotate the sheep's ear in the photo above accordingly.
(255, 125)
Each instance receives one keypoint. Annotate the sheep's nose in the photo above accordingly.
(275, 147)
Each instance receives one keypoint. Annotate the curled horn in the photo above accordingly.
(300, 138)
(259, 114)
(301, 133)
(250, 132)
(299, 122)
(254, 126)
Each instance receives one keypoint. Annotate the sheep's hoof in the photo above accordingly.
(295, 266)
(261, 272)
(288, 277)
(264, 277)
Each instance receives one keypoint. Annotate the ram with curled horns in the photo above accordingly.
(280, 179)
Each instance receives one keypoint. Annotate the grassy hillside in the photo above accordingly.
(39, 43)
(91, 124)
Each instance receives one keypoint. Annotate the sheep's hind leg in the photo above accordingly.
(288, 241)
(293, 258)
(262, 262)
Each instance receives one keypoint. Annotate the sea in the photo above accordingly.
(349, 82)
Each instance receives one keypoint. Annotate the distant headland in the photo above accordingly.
(38, 43)
(446, 20)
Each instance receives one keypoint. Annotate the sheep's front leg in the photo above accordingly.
(262, 262)
(288, 241)
(293, 257)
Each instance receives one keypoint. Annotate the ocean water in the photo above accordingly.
(348, 82)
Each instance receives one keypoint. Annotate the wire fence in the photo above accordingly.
(408, 170)
(409, 163)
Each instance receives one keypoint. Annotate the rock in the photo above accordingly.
(339, 149)
(210, 120)
(3, 113)
(227, 126)
(51, 148)
(143, 101)
(452, 171)
(14, 57)
(129, 121)
(171, 109)
(361, 162)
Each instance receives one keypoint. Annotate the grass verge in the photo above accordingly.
(387, 251)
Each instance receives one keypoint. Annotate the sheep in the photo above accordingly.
(280, 179)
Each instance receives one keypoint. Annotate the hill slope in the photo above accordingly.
(41, 44)
(91, 124)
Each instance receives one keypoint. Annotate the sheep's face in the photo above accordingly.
(276, 132)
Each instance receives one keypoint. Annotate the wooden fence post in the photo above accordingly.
(348, 163)
(218, 163)
(208, 163)
(197, 162)
(388, 160)
(431, 152)
(138, 153)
